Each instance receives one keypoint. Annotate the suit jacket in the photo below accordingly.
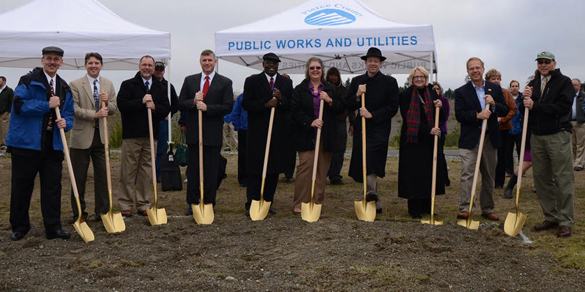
(580, 110)
(466, 108)
(257, 92)
(219, 101)
(84, 121)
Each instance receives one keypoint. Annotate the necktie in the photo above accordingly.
(50, 122)
(271, 83)
(205, 86)
(96, 99)
(147, 88)
(542, 86)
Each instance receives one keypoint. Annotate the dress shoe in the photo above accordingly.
(126, 213)
(578, 168)
(248, 213)
(564, 231)
(58, 234)
(545, 225)
(296, 211)
(271, 212)
(416, 216)
(498, 187)
(463, 215)
(371, 197)
(288, 179)
(378, 210)
(189, 211)
(17, 235)
(143, 213)
(98, 217)
(491, 216)
(337, 182)
(81, 220)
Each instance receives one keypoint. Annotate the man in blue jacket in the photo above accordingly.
(239, 118)
(35, 143)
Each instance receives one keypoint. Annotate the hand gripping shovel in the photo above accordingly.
(515, 221)
(203, 213)
(113, 222)
(471, 224)
(365, 211)
(155, 216)
(434, 182)
(81, 228)
(259, 209)
(310, 212)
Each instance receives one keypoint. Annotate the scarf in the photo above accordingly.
(413, 114)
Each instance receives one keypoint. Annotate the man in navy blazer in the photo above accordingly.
(213, 95)
(476, 101)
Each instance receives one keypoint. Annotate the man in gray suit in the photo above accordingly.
(212, 94)
(95, 98)
(578, 122)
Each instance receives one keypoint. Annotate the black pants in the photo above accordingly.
(210, 170)
(338, 152)
(505, 159)
(26, 163)
(242, 148)
(255, 184)
(417, 207)
(442, 161)
(80, 159)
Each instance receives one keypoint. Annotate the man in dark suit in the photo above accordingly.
(578, 123)
(476, 101)
(262, 92)
(211, 94)
(6, 97)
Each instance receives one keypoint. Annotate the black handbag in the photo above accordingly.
(182, 154)
(170, 172)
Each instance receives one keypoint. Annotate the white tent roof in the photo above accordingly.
(337, 31)
(78, 27)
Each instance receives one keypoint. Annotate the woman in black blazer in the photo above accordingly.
(305, 114)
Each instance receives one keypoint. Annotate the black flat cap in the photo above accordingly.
(374, 52)
(271, 56)
(159, 64)
(55, 50)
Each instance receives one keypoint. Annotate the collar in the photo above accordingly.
(49, 79)
(91, 79)
(210, 76)
(481, 87)
(150, 81)
(268, 77)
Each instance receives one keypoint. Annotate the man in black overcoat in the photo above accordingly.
(381, 98)
(262, 92)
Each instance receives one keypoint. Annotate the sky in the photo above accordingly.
(506, 34)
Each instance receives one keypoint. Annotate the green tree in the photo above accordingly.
(449, 93)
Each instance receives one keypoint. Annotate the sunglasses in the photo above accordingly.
(315, 68)
(547, 61)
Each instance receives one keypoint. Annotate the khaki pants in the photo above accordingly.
(135, 174)
(578, 140)
(4, 122)
(304, 177)
(487, 168)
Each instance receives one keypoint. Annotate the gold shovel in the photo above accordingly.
(203, 213)
(81, 227)
(311, 212)
(471, 224)
(113, 222)
(259, 209)
(434, 182)
(515, 221)
(155, 216)
(365, 211)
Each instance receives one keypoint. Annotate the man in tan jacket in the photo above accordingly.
(95, 98)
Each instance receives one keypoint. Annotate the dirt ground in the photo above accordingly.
(282, 253)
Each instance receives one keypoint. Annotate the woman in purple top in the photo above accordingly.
(443, 125)
(306, 98)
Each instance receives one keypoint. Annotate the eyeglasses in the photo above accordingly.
(315, 68)
(474, 68)
(545, 61)
(418, 77)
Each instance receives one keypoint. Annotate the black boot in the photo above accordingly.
(511, 183)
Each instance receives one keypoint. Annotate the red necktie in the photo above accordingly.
(271, 83)
(205, 86)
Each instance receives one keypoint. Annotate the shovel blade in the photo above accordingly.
(157, 216)
(83, 231)
(310, 212)
(203, 213)
(514, 223)
(432, 222)
(113, 222)
(259, 210)
(471, 224)
(365, 211)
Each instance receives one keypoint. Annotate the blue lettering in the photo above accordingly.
(413, 40)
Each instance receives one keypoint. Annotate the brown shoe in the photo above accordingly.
(491, 216)
(126, 213)
(564, 231)
(143, 213)
(463, 215)
(82, 219)
(545, 225)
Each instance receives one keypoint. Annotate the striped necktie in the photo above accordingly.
(96, 99)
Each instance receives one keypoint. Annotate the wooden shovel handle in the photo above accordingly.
(152, 155)
(317, 142)
(68, 159)
(364, 164)
(200, 125)
(104, 128)
(267, 152)
(521, 159)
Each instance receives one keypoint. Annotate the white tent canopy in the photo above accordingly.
(337, 31)
(78, 27)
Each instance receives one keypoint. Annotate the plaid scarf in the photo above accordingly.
(413, 115)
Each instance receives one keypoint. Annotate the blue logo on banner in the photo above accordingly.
(329, 17)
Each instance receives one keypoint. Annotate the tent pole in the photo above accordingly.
(170, 117)
(432, 69)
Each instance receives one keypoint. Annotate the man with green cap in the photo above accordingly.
(549, 97)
